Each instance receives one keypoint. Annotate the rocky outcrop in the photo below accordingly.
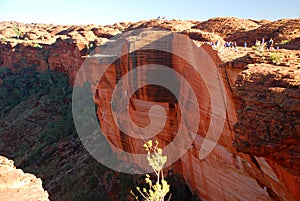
(63, 56)
(57, 47)
(269, 114)
(257, 155)
(253, 158)
(225, 26)
(267, 104)
(283, 31)
(15, 185)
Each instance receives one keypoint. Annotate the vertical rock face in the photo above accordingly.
(226, 173)
(269, 114)
(268, 123)
(15, 185)
(63, 56)
(257, 156)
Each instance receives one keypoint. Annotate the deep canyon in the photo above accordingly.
(257, 156)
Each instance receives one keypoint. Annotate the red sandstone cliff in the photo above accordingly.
(226, 174)
(257, 156)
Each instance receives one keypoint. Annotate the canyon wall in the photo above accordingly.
(63, 56)
(236, 169)
(257, 155)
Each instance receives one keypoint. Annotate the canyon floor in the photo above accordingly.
(257, 156)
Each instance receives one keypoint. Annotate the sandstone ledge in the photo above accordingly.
(15, 185)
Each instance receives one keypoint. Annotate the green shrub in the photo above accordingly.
(283, 42)
(276, 58)
(17, 31)
(160, 189)
(37, 45)
(259, 47)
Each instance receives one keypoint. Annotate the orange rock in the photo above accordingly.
(257, 156)
(225, 174)
(8, 33)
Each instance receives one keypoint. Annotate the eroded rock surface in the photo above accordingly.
(15, 185)
(257, 156)
(236, 169)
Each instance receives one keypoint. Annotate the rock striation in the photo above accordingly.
(257, 155)
(236, 169)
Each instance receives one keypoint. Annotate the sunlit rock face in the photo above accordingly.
(226, 173)
(257, 155)
(16, 185)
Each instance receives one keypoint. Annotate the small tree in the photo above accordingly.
(156, 160)
(17, 31)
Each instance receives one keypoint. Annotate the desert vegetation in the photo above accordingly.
(156, 191)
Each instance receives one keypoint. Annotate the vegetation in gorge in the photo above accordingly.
(158, 190)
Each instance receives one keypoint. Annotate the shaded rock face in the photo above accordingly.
(16, 185)
(63, 56)
(260, 172)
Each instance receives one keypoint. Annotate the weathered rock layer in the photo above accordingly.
(261, 172)
(15, 185)
(257, 155)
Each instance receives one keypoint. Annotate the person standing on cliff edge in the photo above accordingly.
(271, 44)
